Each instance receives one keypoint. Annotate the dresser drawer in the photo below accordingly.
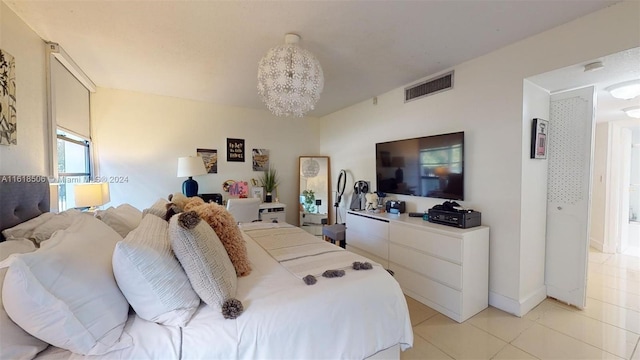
(377, 245)
(368, 234)
(439, 294)
(368, 226)
(442, 246)
(439, 270)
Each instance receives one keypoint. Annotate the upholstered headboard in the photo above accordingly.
(22, 197)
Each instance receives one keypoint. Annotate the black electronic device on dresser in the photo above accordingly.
(215, 197)
(396, 207)
(448, 214)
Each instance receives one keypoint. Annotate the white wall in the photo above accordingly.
(31, 155)
(533, 194)
(486, 103)
(599, 188)
(141, 136)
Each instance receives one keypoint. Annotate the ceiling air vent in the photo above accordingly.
(429, 87)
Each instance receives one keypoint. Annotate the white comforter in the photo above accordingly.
(351, 317)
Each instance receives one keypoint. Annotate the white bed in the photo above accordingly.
(362, 314)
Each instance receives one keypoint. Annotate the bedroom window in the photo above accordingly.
(74, 166)
(69, 117)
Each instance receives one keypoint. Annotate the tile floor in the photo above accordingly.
(609, 327)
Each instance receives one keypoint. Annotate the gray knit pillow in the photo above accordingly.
(203, 258)
(159, 208)
(151, 278)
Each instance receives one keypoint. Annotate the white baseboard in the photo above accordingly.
(515, 307)
(596, 244)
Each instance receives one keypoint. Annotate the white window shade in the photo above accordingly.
(71, 101)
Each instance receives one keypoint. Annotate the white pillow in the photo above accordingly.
(65, 293)
(150, 276)
(16, 343)
(122, 219)
(25, 229)
(159, 208)
(203, 258)
(57, 222)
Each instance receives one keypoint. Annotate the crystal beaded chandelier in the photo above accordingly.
(290, 79)
(310, 168)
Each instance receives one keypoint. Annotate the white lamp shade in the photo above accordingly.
(54, 199)
(191, 166)
(91, 194)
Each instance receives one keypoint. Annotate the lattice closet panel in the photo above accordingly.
(567, 139)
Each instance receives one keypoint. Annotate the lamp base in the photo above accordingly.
(190, 187)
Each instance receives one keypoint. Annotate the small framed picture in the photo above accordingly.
(260, 159)
(235, 150)
(539, 138)
(257, 192)
(210, 158)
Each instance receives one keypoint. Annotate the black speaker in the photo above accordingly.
(216, 198)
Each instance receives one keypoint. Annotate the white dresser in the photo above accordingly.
(443, 267)
(273, 212)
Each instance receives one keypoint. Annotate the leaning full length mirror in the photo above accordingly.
(315, 199)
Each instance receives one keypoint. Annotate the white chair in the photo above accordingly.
(244, 210)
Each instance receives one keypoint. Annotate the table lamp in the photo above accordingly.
(190, 166)
(91, 195)
(54, 197)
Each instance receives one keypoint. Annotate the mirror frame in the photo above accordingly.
(329, 194)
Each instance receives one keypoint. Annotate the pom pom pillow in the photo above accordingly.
(228, 232)
(203, 258)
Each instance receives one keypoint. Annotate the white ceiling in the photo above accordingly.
(619, 67)
(209, 50)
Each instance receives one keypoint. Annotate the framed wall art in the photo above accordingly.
(8, 116)
(235, 150)
(210, 159)
(539, 138)
(260, 159)
(257, 192)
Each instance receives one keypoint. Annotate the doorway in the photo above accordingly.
(608, 110)
(625, 192)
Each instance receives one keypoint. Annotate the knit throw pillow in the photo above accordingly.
(150, 276)
(227, 230)
(203, 258)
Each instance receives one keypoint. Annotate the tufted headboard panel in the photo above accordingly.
(22, 198)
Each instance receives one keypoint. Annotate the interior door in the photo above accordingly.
(570, 159)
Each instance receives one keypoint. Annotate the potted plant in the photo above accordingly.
(269, 180)
(309, 201)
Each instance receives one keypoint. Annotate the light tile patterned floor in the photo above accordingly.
(609, 328)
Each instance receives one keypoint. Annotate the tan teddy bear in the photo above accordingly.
(178, 202)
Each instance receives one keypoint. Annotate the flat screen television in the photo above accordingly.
(429, 166)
